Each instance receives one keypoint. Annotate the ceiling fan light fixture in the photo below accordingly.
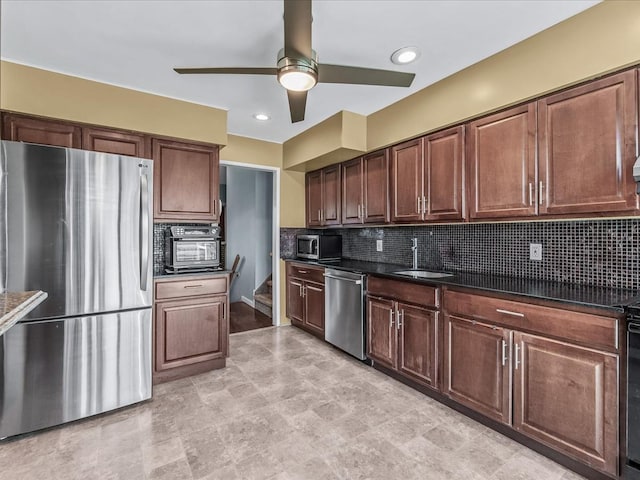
(297, 75)
(405, 55)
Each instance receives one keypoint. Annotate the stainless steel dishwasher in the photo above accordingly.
(344, 324)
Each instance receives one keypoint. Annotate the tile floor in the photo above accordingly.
(287, 407)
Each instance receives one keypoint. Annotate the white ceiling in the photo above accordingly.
(136, 44)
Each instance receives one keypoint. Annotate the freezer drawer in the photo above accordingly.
(56, 371)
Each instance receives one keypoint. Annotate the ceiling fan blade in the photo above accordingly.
(233, 70)
(297, 29)
(297, 105)
(363, 76)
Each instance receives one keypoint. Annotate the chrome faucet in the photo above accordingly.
(414, 250)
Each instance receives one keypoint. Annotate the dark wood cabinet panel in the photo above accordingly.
(314, 198)
(331, 186)
(57, 133)
(443, 175)
(381, 331)
(406, 181)
(314, 307)
(190, 331)
(295, 301)
(376, 187)
(566, 396)
(185, 181)
(352, 191)
(501, 164)
(116, 142)
(477, 371)
(587, 145)
(417, 344)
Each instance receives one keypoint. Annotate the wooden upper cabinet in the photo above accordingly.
(331, 186)
(567, 397)
(477, 372)
(323, 192)
(314, 198)
(352, 191)
(587, 145)
(501, 164)
(365, 189)
(185, 181)
(117, 142)
(376, 187)
(443, 153)
(406, 181)
(39, 130)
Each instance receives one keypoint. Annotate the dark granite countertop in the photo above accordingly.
(15, 305)
(600, 297)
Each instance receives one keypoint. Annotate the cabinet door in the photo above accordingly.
(352, 191)
(39, 130)
(314, 198)
(113, 141)
(477, 369)
(376, 187)
(587, 147)
(190, 331)
(381, 331)
(295, 301)
(185, 181)
(417, 351)
(443, 175)
(331, 187)
(314, 307)
(406, 181)
(501, 164)
(566, 396)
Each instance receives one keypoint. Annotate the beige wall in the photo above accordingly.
(41, 92)
(599, 40)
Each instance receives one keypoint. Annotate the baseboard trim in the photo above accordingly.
(248, 301)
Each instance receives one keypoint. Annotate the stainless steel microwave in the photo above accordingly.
(319, 247)
(191, 248)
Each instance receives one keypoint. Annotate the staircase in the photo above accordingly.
(263, 298)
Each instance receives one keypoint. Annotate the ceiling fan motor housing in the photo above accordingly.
(297, 74)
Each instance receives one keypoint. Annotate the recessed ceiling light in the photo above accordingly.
(263, 117)
(405, 55)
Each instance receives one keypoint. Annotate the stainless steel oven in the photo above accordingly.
(632, 468)
(192, 248)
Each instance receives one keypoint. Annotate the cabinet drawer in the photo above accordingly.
(190, 288)
(591, 330)
(304, 272)
(404, 291)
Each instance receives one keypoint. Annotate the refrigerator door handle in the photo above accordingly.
(144, 231)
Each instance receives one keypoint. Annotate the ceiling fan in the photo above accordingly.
(298, 69)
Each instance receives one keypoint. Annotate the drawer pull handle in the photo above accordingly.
(193, 286)
(508, 312)
(302, 271)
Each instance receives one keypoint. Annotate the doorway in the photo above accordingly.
(251, 242)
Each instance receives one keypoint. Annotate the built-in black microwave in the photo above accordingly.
(319, 247)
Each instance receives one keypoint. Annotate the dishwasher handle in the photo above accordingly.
(357, 282)
(634, 328)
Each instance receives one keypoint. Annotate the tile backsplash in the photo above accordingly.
(589, 252)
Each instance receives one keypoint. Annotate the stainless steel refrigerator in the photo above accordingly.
(78, 225)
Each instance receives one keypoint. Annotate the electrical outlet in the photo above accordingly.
(535, 251)
(378, 245)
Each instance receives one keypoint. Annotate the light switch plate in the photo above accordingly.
(378, 245)
(535, 251)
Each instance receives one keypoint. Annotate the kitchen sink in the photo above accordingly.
(423, 274)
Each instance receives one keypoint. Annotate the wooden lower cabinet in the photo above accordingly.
(476, 370)
(403, 337)
(305, 297)
(191, 328)
(566, 396)
(561, 394)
